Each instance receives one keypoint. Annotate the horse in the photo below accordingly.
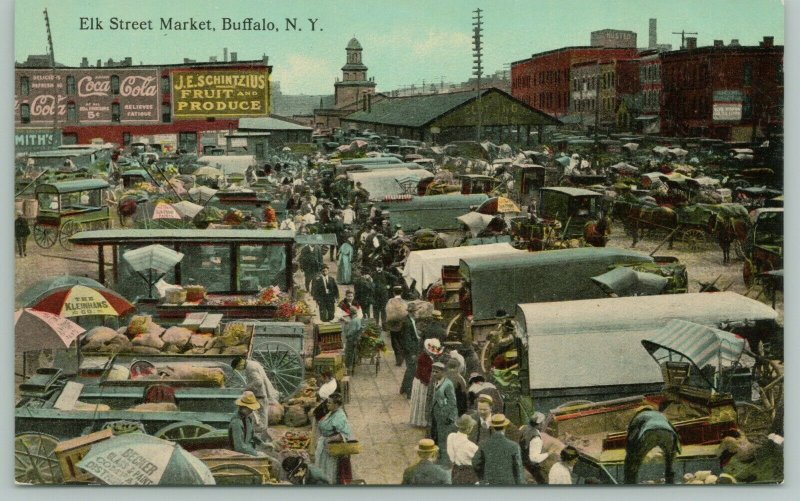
(596, 233)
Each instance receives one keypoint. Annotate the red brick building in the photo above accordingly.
(732, 92)
(543, 80)
(173, 105)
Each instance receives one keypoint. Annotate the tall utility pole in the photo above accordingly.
(477, 57)
(683, 34)
(55, 81)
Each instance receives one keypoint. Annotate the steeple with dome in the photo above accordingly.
(354, 83)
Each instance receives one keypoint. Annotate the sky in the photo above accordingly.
(405, 41)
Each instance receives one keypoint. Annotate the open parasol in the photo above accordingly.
(202, 194)
(39, 330)
(498, 205)
(164, 210)
(207, 171)
(139, 459)
(152, 262)
(187, 209)
(27, 297)
(81, 300)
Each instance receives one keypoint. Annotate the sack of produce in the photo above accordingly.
(155, 407)
(83, 406)
(213, 351)
(171, 348)
(177, 336)
(99, 335)
(199, 340)
(275, 413)
(139, 325)
(396, 313)
(295, 416)
(118, 373)
(148, 339)
(145, 350)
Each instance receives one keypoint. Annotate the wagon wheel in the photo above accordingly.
(455, 329)
(68, 229)
(489, 348)
(45, 235)
(694, 239)
(753, 420)
(236, 474)
(283, 365)
(35, 461)
(183, 429)
(738, 249)
(748, 273)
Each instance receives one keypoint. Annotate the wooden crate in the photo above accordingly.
(329, 362)
(327, 337)
(70, 453)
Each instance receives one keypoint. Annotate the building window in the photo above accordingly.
(748, 74)
(25, 113)
(165, 84)
(187, 141)
(166, 112)
(779, 76)
(24, 86)
(747, 107)
(115, 114)
(72, 113)
(114, 84)
(71, 91)
(126, 138)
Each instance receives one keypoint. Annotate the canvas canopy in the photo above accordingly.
(435, 212)
(700, 344)
(231, 164)
(560, 334)
(386, 182)
(532, 277)
(426, 266)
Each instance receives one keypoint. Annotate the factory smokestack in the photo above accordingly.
(653, 43)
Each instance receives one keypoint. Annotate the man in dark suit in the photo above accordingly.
(382, 280)
(426, 471)
(409, 343)
(325, 292)
(499, 460)
(444, 410)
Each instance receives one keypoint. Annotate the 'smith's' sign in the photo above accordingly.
(220, 93)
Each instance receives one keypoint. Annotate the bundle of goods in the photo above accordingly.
(371, 340)
(143, 336)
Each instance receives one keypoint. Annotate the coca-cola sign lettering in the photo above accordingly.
(88, 86)
(86, 96)
(135, 86)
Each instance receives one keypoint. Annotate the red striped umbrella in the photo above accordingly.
(80, 300)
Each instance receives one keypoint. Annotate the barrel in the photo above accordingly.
(30, 208)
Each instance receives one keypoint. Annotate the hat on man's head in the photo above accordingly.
(438, 366)
(485, 398)
(499, 421)
(569, 453)
(427, 446)
(437, 314)
(397, 288)
(501, 313)
(465, 423)
(248, 399)
(475, 376)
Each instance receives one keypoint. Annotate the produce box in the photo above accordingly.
(327, 337)
(329, 362)
(70, 453)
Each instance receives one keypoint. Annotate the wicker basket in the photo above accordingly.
(340, 449)
(175, 295)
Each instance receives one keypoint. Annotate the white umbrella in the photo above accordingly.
(40, 330)
(202, 193)
(152, 258)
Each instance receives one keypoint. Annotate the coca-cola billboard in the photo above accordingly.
(87, 96)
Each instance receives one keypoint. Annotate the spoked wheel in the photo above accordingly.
(455, 329)
(283, 365)
(45, 235)
(753, 420)
(67, 230)
(183, 429)
(35, 459)
(236, 474)
(694, 239)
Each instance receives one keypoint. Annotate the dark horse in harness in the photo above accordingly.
(596, 233)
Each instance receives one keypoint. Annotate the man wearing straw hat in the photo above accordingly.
(426, 471)
(499, 460)
(242, 426)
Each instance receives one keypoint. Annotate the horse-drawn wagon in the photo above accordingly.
(68, 207)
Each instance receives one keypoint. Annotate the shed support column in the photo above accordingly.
(101, 256)
(541, 134)
(519, 129)
(528, 134)
(115, 265)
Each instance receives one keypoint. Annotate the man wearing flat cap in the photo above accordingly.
(499, 460)
(426, 471)
(444, 409)
(242, 426)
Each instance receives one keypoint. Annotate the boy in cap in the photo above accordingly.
(426, 471)
(242, 425)
(499, 460)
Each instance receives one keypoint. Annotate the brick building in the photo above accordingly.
(543, 80)
(352, 93)
(732, 92)
(172, 105)
(604, 90)
(649, 91)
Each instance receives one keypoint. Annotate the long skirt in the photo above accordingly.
(419, 404)
(325, 462)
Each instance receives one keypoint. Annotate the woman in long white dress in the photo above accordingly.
(420, 398)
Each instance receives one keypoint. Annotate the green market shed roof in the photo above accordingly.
(72, 186)
(421, 111)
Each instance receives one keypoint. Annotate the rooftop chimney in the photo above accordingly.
(99, 63)
(768, 42)
(234, 57)
(225, 54)
(653, 34)
(128, 61)
(85, 62)
(691, 43)
(719, 43)
(735, 43)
